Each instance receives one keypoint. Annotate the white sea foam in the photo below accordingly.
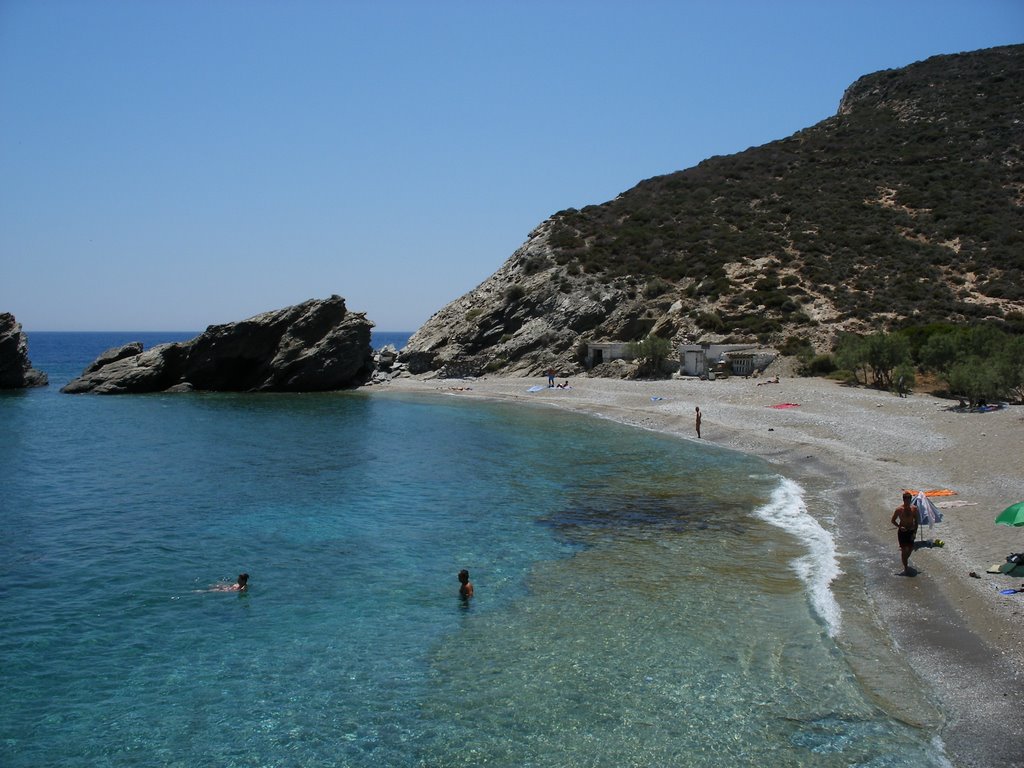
(820, 566)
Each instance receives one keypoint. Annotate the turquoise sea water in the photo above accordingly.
(640, 601)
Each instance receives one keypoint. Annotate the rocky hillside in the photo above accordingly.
(906, 207)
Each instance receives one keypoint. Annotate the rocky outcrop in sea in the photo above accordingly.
(310, 347)
(16, 371)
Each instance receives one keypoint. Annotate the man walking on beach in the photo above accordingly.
(905, 520)
(697, 421)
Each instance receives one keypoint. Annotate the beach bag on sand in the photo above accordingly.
(1016, 559)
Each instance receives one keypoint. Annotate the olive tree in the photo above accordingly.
(651, 353)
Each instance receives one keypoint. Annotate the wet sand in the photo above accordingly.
(940, 648)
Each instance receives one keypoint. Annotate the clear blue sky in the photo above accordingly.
(165, 165)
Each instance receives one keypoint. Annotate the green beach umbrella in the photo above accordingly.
(1012, 515)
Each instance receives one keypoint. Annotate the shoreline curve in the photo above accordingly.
(940, 649)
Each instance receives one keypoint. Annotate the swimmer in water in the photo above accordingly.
(465, 586)
(241, 586)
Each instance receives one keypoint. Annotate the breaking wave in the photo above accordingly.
(820, 566)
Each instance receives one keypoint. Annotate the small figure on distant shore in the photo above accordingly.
(551, 377)
(905, 520)
(564, 386)
(696, 423)
(465, 585)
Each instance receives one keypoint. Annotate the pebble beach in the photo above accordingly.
(943, 646)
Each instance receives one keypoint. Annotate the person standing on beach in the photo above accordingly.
(551, 377)
(905, 520)
(696, 423)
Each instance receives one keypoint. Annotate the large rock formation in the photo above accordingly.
(16, 371)
(314, 346)
(903, 208)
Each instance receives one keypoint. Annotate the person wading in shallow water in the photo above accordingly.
(905, 520)
(465, 586)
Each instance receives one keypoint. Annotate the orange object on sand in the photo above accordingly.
(939, 492)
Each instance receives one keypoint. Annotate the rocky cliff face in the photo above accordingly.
(528, 316)
(314, 346)
(16, 371)
(905, 207)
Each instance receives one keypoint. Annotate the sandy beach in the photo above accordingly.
(941, 648)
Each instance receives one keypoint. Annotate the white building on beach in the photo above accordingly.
(736, 359)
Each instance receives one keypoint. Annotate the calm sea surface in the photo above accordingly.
(640, 601)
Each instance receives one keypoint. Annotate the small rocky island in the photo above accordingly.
(315, 346)
(16, 371)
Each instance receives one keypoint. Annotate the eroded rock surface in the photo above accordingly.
(314, 346)
(16, 371)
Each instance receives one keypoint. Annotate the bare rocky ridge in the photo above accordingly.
(906, 207)
(520, 320)
(314, 346)
(16, 371)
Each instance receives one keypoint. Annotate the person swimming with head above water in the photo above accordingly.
(242, 585)
(465, 586)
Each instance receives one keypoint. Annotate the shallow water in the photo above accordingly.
(639, 600)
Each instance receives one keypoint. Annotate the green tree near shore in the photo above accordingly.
(981, 363)
(875, 359)
(651, 354)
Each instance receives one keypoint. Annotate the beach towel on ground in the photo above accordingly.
(1009, 569)
(536, 388)
(785, 405)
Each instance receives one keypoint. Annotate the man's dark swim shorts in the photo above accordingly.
(906, 538)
